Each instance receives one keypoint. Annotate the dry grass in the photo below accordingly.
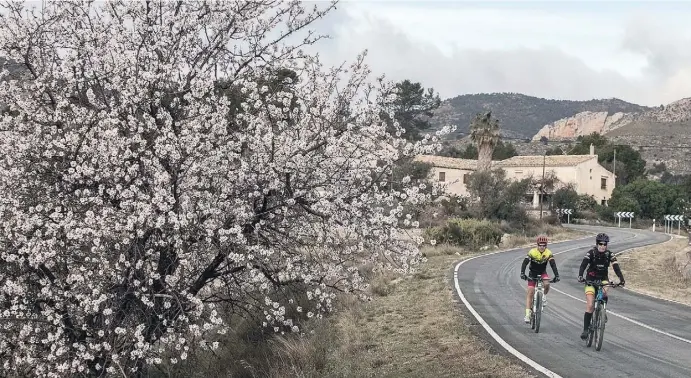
(555, 234)
(415, 330)
(653, 270)
(413, 327)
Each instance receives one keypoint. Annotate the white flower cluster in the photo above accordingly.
(156, 165)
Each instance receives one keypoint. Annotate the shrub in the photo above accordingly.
(469, 233)
(552, 219)
(586, 202)
(455, 206)
(549, 226)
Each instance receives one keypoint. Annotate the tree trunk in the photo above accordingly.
(484, 159)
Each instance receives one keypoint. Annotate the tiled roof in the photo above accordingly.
(549, 161)
(448, 162)
(516, 161)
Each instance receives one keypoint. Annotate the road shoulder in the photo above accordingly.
(659, 270)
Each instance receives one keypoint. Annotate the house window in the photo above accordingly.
(442, 176)
(465, 178)
(603, 202)
(603, 183)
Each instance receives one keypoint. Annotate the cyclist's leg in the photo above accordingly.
(529, 299)
(605, 281)
(589, 308)
(545, 281)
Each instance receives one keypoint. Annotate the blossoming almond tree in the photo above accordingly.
(138, 192)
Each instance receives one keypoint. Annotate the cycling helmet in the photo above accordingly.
(541, 239)
(602, 237)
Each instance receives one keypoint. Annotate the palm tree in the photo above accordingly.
(484, 131)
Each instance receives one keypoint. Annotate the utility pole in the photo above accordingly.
(615, 168)
(542, 186)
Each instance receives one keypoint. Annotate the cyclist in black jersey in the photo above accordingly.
(597, 260)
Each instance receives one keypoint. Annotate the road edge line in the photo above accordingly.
(525, 359)
(636, 322)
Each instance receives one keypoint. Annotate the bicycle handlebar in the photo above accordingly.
(536, 279)
(599, 283)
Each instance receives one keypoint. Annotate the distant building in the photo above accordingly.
(584, 171)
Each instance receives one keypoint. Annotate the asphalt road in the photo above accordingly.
(644, 337)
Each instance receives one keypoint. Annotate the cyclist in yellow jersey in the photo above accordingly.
(538, 259)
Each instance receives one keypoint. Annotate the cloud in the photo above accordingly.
(669, 62)
(536, 53)
(661, 45)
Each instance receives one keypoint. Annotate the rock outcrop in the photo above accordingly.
(677, 111)
(584, 123)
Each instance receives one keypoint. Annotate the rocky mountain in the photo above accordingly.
(522, 116)
(661, 134)
(584, 123)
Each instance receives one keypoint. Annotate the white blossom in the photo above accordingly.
(157, 155)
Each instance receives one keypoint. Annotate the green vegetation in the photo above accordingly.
(501, 151)
(653, 199)
(497, 198)
(630, 165)
(412, 109)
(466, 233)
(556, 150)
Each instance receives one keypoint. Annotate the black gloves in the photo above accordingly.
(556, 279)
(523, 276)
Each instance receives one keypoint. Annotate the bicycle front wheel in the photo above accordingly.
(538, 311)
(600, 329)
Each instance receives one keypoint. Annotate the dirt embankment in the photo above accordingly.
(662, 270)
(682, 261)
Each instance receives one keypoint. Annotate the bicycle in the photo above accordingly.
(596, 330)
(538, 304)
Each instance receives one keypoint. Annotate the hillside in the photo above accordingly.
(648, 122)
(661, 134)
(668, 142)
(521, 116)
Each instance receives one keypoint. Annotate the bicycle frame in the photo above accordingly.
(596, 330)
(538, 304)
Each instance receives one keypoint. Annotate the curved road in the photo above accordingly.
(645, 337)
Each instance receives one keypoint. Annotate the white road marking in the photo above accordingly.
(489, 329)
(636, 322)
(513, 350)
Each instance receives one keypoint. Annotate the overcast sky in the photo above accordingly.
(638, 52)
